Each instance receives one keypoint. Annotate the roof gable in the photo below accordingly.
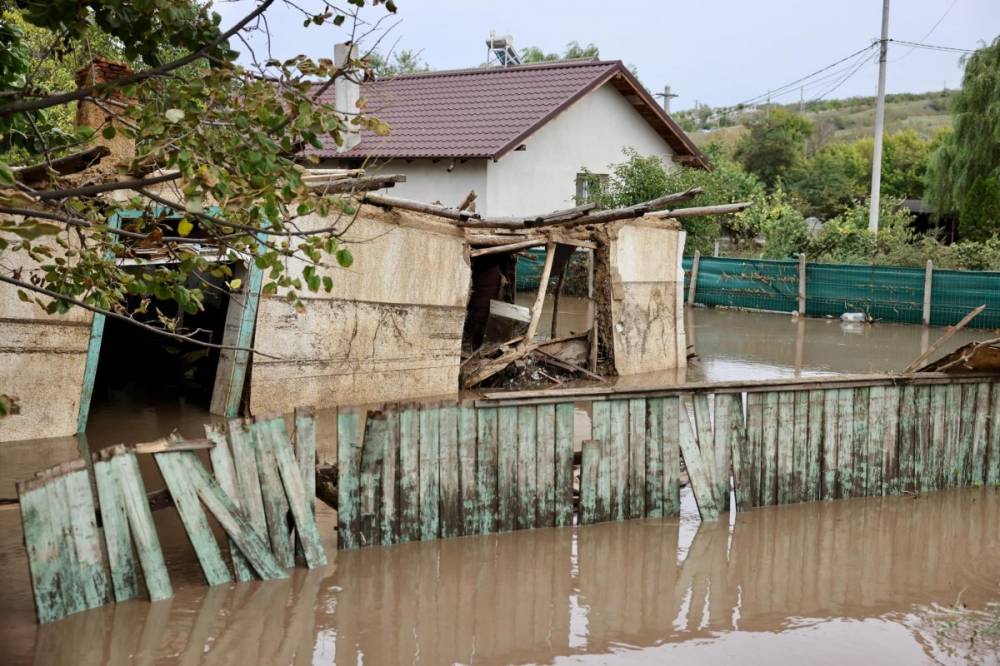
(487, 112)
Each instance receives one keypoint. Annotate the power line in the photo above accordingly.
(931, 31)
(846, 78)
(933, 47)
(797, 82)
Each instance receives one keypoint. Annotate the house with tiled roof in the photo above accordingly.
(521, 137)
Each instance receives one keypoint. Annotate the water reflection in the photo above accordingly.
(784, 577)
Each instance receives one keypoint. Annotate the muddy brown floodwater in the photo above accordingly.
(868, 580)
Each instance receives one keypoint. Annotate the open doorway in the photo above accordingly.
(148, 377)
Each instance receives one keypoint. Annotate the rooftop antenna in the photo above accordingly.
(500, 51)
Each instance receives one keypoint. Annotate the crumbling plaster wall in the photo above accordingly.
(646, 296)
(42, 361)
(391, 328)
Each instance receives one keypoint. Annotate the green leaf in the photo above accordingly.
(338, 20)
(344, 257)
(109, 132)
(235, 284)
(184, 227)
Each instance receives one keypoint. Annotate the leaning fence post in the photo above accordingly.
(694, 277)
(928, 280)
(802, 283)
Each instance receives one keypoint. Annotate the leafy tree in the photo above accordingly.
(217, 141)
(641, 178)
(532, 54)
(963, 173)
(831, 180)
(774, 144)
(399, 62)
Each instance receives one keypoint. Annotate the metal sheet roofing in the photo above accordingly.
(487, 112)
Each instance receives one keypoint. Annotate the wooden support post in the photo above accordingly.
(93, 352)
(802, 283)
(928, 281)
(241, 319)
(555, 301)
(543, 283)
(693, 287)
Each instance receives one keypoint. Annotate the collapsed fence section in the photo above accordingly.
(415, 472)
(886, 293)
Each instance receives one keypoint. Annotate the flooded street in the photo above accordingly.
(869, 580)
(873, 581)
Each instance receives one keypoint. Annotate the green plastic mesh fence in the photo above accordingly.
(886, 293)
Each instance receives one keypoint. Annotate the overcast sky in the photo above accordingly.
(717, 52)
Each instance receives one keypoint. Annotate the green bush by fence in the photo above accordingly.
(885, 293)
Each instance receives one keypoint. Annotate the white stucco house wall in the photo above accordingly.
(518, 136)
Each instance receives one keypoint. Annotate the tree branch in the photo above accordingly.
(129, 320)
(80, 93)
(131, 184)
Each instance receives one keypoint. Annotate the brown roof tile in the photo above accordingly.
(488, 111)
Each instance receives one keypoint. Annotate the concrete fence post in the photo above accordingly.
(693, 287)
(928, 281)
(802, 283)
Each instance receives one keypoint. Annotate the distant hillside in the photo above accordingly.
(835, 120)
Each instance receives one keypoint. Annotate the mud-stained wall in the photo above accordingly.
(647, 300)
(42, 359)
(391, 328)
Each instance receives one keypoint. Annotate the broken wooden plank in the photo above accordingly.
(117, 538)
(545, 465)
(389, 530)
(305, 452)
(616, 454)
(370, 480)
(993, 439)
(291, 480)
(193, 517)
(845, 443)
(701, 482)
(507, 500)
(41, 543)
(252, 544)
(654, 485)
(671, 457)
(887, 451)
(786, 447)
(753, 465)
(225, 472)
(168, 444)
(486, 469)
(589, 463)
(467, 428)
(636, 491)
(769, 468)
(814, 469)
(244, 449)
(349, 443)
(563, 497)
(140, 521)
(910, 463)
(600, 429)
(937, 443)
(448, 468)
(877, 417)
(536, 307)
(800, 448)
(409, 473)
(527, 481)
(977, 464)
(430, 477)
(952, 330)
(267, 434)
(722, 441)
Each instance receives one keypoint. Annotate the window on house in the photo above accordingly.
(589, 185)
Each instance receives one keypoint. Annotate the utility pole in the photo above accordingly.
(879, 121)
(802, 99)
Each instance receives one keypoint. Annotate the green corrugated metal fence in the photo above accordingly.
(886, 293)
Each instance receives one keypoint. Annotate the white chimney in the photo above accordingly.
(347, 92)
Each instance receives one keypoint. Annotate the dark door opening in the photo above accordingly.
(139, 370)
